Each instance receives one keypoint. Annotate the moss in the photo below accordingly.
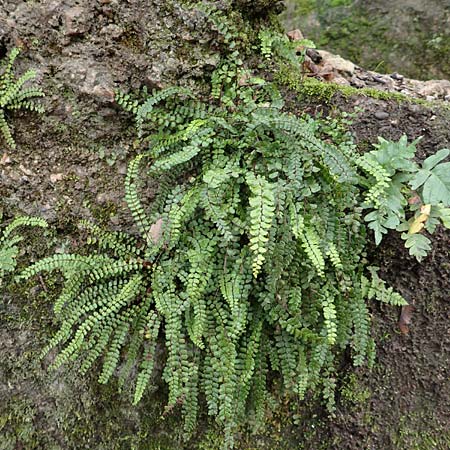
(311, 88)
(353, 392)
(420, 431)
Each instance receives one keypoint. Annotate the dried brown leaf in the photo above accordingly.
(155, 232)
(405, 318)
(5, 159)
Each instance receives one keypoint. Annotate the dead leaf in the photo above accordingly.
(5, 159)
(405, 318)
(416, 227)
(244, 79)
(425, 209)
(418, 223)
(155, 232)
(414, 200)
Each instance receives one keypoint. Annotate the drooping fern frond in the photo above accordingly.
(377, 289)
(262, 211)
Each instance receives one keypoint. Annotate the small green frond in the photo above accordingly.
(262, 212)
(8, 242)
(13, 94)
(378, 290)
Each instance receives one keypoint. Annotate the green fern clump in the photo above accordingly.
(14, 95)
(9, 240)
(99, 300)
(249, 261)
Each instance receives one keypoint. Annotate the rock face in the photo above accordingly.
(70, 163)
(335, 69)
(407, 36)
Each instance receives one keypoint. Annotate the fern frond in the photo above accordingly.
(378, 290)
(8, 243)
(13, 94)
(144, 110)
(310, 243)
(132, 196)
(262, 211)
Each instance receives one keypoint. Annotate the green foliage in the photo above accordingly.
(13, 94)
(400, 188)
(279, 45)
(250, 261)
(9, 240)
(434, 179)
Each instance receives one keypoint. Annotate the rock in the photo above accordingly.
(75, 21)
(55, 177)
(115, 220)
(153, 79)
(103, 92)
(87, 77)
(337, 79)
(381, 115)
(295, 35)
(439, 88)
(355, 81)
(337, 62)
(314, 55)
(414, 108)
(397, 76)
(113, 31)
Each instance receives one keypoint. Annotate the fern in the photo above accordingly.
(249, 264)
(9, 249)
(14, 95)
(378, 290)
(262, 209)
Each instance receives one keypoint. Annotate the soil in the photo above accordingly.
(70, 163)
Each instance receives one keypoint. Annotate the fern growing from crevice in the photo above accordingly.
(14, 95)
(260, 247)
(249, 263)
